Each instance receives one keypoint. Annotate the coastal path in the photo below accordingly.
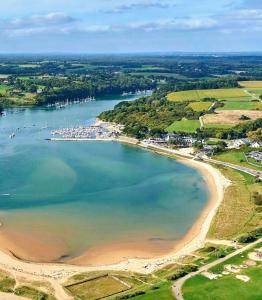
(177, 287)
(236, 167)
(249, 171)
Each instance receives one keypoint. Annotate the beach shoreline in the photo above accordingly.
(193, 240)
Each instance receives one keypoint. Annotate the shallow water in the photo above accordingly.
(90, 194)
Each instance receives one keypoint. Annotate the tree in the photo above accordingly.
(244, 118)
(255, 135)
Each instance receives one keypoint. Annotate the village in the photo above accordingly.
(108, 131)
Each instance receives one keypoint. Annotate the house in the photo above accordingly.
(256, 144)
(257, 155)
(236, 144)
(154, 141)
(180, 140)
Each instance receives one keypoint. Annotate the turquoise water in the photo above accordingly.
(88, 194)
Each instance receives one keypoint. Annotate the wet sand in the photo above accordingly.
(29, 248)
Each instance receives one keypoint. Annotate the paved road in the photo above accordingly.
(177, 287)
(236, 167)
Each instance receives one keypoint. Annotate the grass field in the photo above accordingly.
(29, 66)
(225, 288)
(197, 95)
(237, 214)
(3, 89)
(31, 293)
(7, 283)
(251, 84)
(238, 157)
(163, 292)
(256, 91)
(200, 106)
(218, 126)
(189, 126)
(97, 288)
(241, 105)
(230, 117)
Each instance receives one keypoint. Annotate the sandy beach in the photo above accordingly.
(116, 257)
(143, 259)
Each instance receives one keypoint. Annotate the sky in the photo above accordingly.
(130, 26)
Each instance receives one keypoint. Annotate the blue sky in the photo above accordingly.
(102, 26)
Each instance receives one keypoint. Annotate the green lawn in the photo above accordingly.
(197, 95)
(238, 157)
(200, 106)
(225, 288)
(189, 126)
(163, 292)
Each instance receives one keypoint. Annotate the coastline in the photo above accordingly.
(193, 240)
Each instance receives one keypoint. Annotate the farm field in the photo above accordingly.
(251, 84)
(239, 99)
(189, 126)
(230, 117)
(197, 95)
(218, 126)
(158, 74)
(241, 105)
(200, 106)
(255, 91)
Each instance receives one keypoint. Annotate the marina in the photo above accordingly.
(98, 131)
(106, 192)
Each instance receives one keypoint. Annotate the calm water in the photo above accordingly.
(86, 194)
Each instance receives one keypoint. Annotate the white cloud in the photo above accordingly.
(248, 14)
(139, 5)
(54, 18)
(35, 24)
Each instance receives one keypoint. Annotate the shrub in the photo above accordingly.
(257, 198)
(135, 294)
(183, 272)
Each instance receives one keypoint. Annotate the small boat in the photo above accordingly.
(11, 136)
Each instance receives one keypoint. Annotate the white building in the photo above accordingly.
(236, 144)
(256, 145)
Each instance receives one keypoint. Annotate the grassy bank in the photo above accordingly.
(238, 212)
(238, 157)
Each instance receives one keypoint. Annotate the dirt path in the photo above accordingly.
(254, 96)
(5, 296)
